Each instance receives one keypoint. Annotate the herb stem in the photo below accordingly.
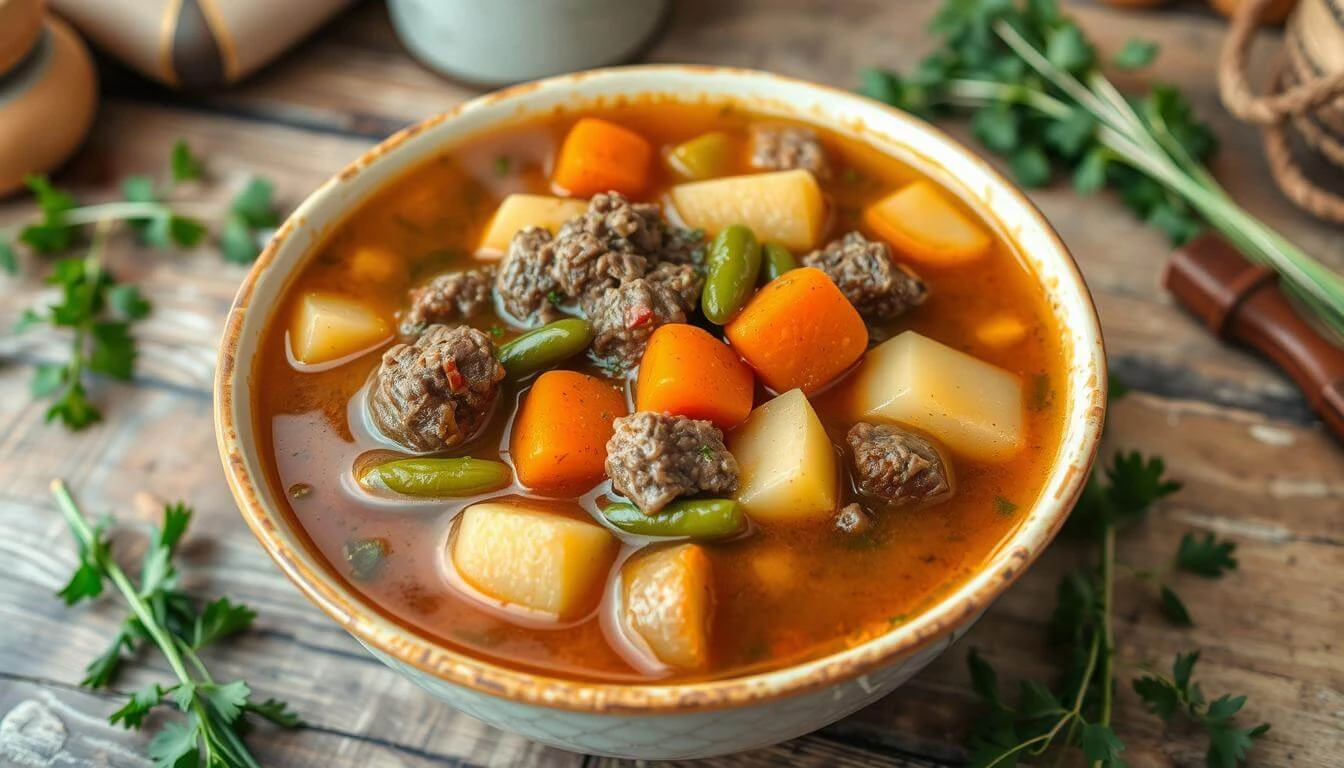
(1147, 146)
(80, 526)
(1107, 633)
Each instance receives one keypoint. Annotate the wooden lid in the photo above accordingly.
(20, 26)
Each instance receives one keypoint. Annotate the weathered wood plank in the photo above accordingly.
(48, 724)
(1272, 484)
(1269, 630)
(1153, 345)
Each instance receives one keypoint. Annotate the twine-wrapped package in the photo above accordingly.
(1307, 99)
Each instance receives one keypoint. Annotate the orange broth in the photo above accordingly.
(783, 593)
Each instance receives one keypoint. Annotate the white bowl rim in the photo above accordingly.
(956, 166)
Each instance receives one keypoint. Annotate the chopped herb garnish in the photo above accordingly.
(366, 557)
(1042, 394)
(706, 452)
(1004, 506)
(503, 164)
(851, 176)
(161, 616)
(496, 331)
(555, 297)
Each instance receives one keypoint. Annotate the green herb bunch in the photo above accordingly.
(1033, 86)
(164, 617)
(1076, 713)
(96, 309)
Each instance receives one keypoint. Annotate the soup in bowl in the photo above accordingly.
(660, 411)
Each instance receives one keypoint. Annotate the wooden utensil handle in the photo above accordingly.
(1242, 302)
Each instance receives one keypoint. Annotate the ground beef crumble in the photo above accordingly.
(438, 391)
(448, 298)
(785, 147)
(898, 466)
(879, 288)
(655, 457)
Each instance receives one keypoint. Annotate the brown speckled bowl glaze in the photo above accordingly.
(674, 720)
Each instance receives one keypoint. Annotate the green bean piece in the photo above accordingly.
(544, 347)
(695, 518)
(775, 261)
(438, 478)
(733, 260)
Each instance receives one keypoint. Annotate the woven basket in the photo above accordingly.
(1307, 99)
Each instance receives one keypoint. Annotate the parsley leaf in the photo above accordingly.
(1209, 556)
(9, 260)
(1179, 696)
(1173, 608)
(1136, 54)
(1101, 746)
(132, 715)
(52, 233)
(213, 723)
(185, 164)
(220, 619)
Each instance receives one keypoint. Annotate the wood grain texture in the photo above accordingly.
(1256, 468)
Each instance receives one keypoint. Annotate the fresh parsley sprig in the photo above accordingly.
(162, 616)
(1032, 83)
(96, 309)
(1077, 713)
(1179, 696)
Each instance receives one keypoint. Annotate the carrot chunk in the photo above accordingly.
(559, 440)
(925, 226)
(599, 156)
(799, 331)
(687, 372)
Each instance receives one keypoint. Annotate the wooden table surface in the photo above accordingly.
(1256, 467)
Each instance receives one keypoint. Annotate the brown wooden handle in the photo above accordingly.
(1241, 302)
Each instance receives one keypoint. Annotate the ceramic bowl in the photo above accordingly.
(667, 720)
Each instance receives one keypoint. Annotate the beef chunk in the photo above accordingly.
(618, 224)
(683, 246)
(783, 147)
(654, 458)
(878, 287)
(853, 519)
(624, 318)
(438, 391)
(586, 266)
(526, 281)
(448, 298)
(898, 466)
(681, 279)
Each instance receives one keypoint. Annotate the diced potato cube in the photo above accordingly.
(546, 562)
(377, 266)
(786, 466)
(784, 206)
(927, 227)
(668, 601)
(971, 406)
(327, 326)
(520, 211)
(1001, 331)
